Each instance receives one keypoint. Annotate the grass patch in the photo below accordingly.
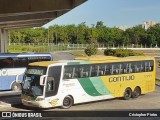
(81, 53)
(78, 53)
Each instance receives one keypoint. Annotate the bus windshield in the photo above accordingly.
(31, 82)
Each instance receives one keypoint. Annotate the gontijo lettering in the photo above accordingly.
(121, 78)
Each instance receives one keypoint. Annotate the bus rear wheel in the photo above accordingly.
(127, 94)
(16, 86)
(67, 102)
(136, 93)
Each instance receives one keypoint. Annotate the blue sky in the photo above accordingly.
(112, 13)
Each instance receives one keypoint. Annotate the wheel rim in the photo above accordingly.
(67, 102)
(137, 91)
(127, 94)
(15, 88)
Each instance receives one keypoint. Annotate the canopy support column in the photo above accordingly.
(3, 41)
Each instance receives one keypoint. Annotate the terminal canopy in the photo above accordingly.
(32, 13)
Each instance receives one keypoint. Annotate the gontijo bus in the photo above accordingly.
(13, 64)
(64, 83)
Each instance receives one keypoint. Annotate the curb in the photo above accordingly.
(9, 94)
(3, 104)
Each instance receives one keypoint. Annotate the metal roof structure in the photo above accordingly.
(33, 13)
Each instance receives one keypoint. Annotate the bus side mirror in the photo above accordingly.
(42, 79)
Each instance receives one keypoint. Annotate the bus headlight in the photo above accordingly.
(39, 99)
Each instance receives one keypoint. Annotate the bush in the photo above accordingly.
(90, 50)
(109, 52)
(121, 53)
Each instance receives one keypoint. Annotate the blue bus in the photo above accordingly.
(13, 65)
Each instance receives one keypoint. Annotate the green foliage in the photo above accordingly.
(27, 49)
(91, 50)
(83, 34)
(121, 53)
(109, 52)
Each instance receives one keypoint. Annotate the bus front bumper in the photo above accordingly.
(39, 104)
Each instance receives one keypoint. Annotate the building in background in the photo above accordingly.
(148, 24)
(124, 28)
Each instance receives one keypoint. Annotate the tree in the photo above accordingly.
(91, 50)
(99, 24)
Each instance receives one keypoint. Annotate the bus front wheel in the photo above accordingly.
(16, 86)
(136, 93)
(67, 102)
(127, 94)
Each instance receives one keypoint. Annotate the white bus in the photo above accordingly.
(64, 83)
(13, 64)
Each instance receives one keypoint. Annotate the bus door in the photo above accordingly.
(53, 79)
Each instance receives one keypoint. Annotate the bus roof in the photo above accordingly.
(42, 63)
(23, 54)
(97, 58)
(90, 60)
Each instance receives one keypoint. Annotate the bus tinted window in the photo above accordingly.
(68, 72)
(38, 58)
(6, 63)
(95, 70)
(84, 70)
(107, 69)
(148, 66)
(116, 68)
(20, 62)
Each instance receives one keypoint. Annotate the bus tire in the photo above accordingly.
(16, 86)
(136, 93)
(127, 94)
(67, 102)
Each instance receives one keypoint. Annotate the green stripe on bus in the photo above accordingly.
(88, 87)
(78, 63)
(73, 63)
(99, 85)
(85, 62)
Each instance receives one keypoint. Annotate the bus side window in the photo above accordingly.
(142, 66)
(6, 63)
(84, 71)
(101, 70)
(75, 72)
(151, 65)
(20, 62)
(68, 72)
(133, 67)
(107, 69)
(147, 66)
(120, 68)
(111, 69)
(127, 68)
(93, 70)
